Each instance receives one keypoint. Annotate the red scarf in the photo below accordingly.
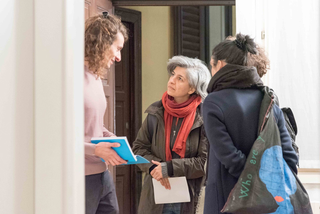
(187, 111)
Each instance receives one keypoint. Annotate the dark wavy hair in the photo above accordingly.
(100, 33)
(241, 50)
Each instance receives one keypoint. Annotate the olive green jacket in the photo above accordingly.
(192, 166)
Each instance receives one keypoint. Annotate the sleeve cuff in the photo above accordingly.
(164, 169)
(90, 148)
(170, 168)
(152, 167)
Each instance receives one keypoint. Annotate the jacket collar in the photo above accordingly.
(234, 76)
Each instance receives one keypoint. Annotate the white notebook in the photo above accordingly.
(178, 193)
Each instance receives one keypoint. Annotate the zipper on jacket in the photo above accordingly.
(174, 127)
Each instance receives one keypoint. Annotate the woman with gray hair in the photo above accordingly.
(172, 136)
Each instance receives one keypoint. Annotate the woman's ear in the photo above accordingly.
(220, 64)
(191, 90)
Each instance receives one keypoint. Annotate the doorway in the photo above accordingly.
(128, 108)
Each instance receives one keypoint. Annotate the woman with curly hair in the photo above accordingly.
(104, 38)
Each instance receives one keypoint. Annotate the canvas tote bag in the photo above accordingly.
(267, 184)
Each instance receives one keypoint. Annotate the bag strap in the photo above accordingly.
(292, 128)
(152, 122)
(289, 116)
(266, 106)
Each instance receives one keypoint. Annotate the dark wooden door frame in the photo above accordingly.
(228, 20)
(172, 2)
(134, 18)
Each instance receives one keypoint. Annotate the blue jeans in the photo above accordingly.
(171, 208)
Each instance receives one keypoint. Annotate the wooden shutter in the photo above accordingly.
(191, 31)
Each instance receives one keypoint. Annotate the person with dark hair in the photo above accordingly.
(259, 60)
(172, 136)
(104, 38)
(231, 117)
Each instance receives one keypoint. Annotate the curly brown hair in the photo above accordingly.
(259, 60)
(100, 33)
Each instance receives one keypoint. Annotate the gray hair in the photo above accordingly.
(198, 74)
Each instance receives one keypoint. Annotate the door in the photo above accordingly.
(123, 123)
(94, 7)
(128, 108)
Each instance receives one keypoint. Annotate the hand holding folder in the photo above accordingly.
(178, 193)
(124, 150)
(107, 154)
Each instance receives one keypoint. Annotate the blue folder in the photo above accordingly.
(124, 150)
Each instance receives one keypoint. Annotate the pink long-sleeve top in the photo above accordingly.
(94, 109)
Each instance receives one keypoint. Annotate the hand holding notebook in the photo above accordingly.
(105, 151)
(124, 150)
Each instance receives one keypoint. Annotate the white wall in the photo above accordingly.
(41, 111)
(16, 108)
(59, 159)
(292, 32)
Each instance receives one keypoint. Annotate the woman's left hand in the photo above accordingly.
(165, 182)
(156, 173)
